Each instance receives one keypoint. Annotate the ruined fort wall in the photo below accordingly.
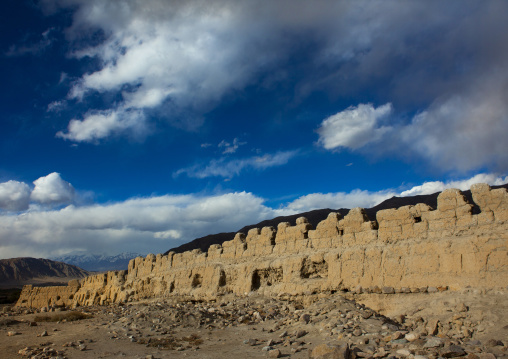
(408, 247)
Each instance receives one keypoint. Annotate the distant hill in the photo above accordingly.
(99, 262)
(16, 272)
(317, 216)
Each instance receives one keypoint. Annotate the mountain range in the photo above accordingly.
(16, 272)
(98, 262)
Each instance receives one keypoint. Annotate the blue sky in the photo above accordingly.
(140, 125)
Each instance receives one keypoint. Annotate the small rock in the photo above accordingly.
(493, 343)
(274, 353)
(411, 337)
(11, 334)
(300, 333)
(357, 332)
(82, 347)
(149, 356)
(251, 342)
(453, 351)
(404, 352)
(433, 343)
(325, 351)
(397, 335)
(461, 308)
(305, 318)
(432, 326)
(44, 334)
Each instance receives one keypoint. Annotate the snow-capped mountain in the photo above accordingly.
(98, 262)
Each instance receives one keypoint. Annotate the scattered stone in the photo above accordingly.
(250, 342)
(326, 351)
(404, 352)
(453, 351)
(433, 342)
(11, 334)
(461, 308)
(305, 318)
(274, 353)
(411, 337)
(300, 333)
(493, 343)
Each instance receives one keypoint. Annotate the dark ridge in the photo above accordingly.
(318, 215)
(16, 272)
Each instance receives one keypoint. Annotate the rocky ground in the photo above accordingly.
(470, 324)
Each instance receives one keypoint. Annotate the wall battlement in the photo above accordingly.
(412, 246)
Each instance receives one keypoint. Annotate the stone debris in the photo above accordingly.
(279, 328)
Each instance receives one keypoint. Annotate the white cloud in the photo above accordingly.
(228, 168)
(52, 189)
(98, 125)
(14, 196)
(463, 185)
(464, 132)
(144, 225)
(230, 148)
(337, 200)
(354, 127)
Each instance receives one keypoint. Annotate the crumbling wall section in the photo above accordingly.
(409, 247)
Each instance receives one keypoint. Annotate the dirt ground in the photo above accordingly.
(415, 326)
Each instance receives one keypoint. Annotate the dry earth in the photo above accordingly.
(471, 324)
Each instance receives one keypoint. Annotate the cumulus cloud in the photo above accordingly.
(460, 133)
(52, 190)
(100, 124)
(464, 132)
(14, 196)
(144, 225)
(354, 127)
(228, 168)
(191, 54)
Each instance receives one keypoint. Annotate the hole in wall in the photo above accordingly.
(197, 281)
(222, 279)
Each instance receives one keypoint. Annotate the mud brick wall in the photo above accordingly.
(409, 247)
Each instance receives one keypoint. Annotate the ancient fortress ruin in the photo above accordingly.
(404, 249)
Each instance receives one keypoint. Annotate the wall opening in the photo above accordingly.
(197, 281)
(222, 279)
(266, 277)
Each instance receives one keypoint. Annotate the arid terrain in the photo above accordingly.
(469, 323)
